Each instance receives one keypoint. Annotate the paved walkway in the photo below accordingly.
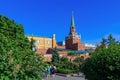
(65, 78)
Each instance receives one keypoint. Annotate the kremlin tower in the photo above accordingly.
(72, 41)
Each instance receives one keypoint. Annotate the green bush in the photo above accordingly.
(64, 71)
(67, 65)
(63, 59)
(79, 60)
(104, 64)
(64, 65)
(72, 53)
(55, 56)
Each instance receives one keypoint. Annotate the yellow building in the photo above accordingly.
(42, 44)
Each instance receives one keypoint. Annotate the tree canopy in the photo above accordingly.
(72, 53)
(55, 56)
(104, 63)
(17, 60)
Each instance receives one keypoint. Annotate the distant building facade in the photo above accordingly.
(42, 44)
(61, 45)
(72, 41)
(90, 46)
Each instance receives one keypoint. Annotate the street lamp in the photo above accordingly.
(33, 48)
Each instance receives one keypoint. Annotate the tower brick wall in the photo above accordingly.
(72, 41)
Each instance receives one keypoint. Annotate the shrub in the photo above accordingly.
(63, 59)
(72, 53)
(68, 65)
(55, 56)
(65, 71)
(79, 60)
(104, 64)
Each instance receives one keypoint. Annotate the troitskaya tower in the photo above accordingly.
(72, 41)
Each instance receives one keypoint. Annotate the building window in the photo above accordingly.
(38, 41)
(48, 42)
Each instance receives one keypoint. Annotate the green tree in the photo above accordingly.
(79, 60)
(17, 60)
(32, 45)
(55, 56)
(104, 64)
(72, 53)
(63, 59)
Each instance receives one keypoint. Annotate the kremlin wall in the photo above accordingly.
(72, 42)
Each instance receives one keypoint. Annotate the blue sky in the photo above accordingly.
(94, 19)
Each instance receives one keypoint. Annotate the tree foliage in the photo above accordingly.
(72, 53)
(104, 64)
(64, 59)
(79, 60)
(17, 60)
(55, 56)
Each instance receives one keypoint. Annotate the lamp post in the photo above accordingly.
(33, 48)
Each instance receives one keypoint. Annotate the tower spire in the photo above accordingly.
(72, 20)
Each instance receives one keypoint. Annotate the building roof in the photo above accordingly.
(31, 35)
(72, 21)
(81, 51)
(77, 51)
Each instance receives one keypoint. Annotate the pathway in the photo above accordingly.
(65, 78)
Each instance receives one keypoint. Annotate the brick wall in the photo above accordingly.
(62, 47)
(41, 51)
